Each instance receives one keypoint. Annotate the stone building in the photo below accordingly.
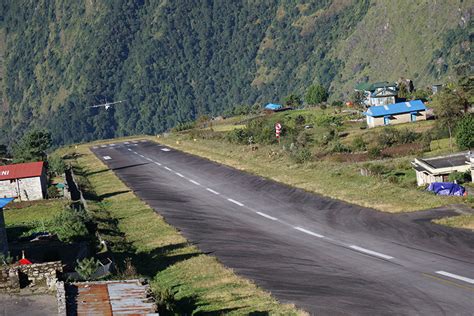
(24, 181)
(3, 232)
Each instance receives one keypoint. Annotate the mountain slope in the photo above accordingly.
(175, 60)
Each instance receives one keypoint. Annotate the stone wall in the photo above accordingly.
(61, 298)
(27, 189)
(39, 277)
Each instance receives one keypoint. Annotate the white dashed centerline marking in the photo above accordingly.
(126, 143)
(135, 153)
(235, 202)
(370, 252)
(308, 232)
(212, 191)
(157, 163)
(107, 158)
(169, 169)
(165, 149)
(95, 147)
(455, 276)
(142, 156)
(179, 174)
(267, 216)
(129, 149)
(149, 159)
(195, 182)
(103, 146)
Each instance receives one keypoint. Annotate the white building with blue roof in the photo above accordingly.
(396, 113)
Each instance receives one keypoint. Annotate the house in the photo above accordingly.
(437, 169)
(3, 231)
(273, 107)
(379, 93)
(24, 181)
(396, 113)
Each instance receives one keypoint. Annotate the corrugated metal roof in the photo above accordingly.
(396, 108)
(128, 297)
(21, 170)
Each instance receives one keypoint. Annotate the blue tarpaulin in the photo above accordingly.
(273, 106)
(5, 201)
(446, 188)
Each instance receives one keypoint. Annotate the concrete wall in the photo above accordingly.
(395, 119)
(3, 235)
(27, 189)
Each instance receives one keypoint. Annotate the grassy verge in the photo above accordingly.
(462, 221)
(337, 180)
(183, 279)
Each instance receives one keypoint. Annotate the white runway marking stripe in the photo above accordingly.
(129, 149)
(107, 158)
(195, 182)
(169, 169)
(149, 159)
(212, 191)
(455, 276)
(235, 202)
(126, 143)
(103, 146)
(135, 153)
(370, 252)
(308, 232)
(165, 149)
(142, 156)
(179, 174)
(267, 216)
(159, 164)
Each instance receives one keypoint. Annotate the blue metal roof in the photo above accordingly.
(273, 106)
(5, 201)
(396, 108)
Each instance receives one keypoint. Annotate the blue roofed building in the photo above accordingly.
(396, 113)
(273, 107)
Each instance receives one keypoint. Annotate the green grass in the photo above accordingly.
(30, 213)
(21, 217)
(181, 276)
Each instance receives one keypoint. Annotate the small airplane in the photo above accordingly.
(107, 105)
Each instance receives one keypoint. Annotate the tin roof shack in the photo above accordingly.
(127, 297)
(24, 181)
(437, 169)
(3, 231)
(396, 113)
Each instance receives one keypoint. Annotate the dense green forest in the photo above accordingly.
(175, 60)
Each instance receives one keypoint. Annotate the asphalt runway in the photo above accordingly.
(326, 256)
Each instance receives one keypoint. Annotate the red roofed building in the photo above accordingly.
(23, 181)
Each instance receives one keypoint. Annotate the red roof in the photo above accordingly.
(21, 170)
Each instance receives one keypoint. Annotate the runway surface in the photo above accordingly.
(326, 256)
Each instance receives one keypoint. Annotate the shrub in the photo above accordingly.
(237, 136)
(301, 155)
(374, 152)
(56, 165)
(86, 268)
(184, 126)
(53, 192)
(70, 225)
(359, 144)
(460, 177)
(340, 148)
(465, 132)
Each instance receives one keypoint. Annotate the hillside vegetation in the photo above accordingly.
(175, 60)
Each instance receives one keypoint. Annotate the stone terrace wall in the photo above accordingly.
(39, 277)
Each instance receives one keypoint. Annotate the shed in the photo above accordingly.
(437, 169)
(3, 231)
(396, 113)
(273, 106)
(25, 181)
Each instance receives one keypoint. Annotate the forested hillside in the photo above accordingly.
(175, 60)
